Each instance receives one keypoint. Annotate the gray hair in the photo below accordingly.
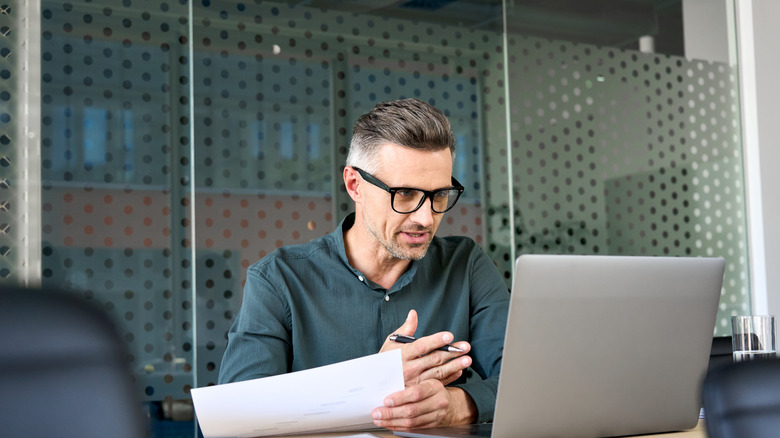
(407, 122)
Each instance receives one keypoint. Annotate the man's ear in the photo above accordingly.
(352, 182)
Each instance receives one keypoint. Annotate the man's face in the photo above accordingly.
(405, 236)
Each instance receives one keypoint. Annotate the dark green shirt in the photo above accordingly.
(304, 306)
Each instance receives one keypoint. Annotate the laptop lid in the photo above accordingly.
(606, 345)
(602, 346)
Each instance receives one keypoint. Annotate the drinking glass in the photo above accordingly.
(753, 337)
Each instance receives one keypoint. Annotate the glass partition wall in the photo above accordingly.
(182, 141)
(620, 144)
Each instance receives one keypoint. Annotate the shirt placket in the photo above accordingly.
(388, 312)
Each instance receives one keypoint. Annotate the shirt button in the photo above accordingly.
(360, 277)
(387, 297)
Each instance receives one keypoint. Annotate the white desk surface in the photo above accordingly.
(697, 432)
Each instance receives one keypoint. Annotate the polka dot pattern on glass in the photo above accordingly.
(115, 165)
(177, 150)
(618, 152)
(10, 172)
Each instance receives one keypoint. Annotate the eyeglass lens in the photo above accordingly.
(408, 200)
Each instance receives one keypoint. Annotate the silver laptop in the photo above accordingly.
(600, 346)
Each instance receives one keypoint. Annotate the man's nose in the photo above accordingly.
(424, 214)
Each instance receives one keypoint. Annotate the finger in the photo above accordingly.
(420, 364)
(437, 365)
(410, 325)
(436, 341)
(442, 358)
(408, 328)
(418, 406)
(463, 345)
(425, 345)
(427, 419)
(448, 372)
(451, 378)
(440, 372)
(439, 357)
(414, 394)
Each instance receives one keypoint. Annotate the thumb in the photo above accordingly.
(410, 325)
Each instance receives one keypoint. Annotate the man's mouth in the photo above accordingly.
(415, 237)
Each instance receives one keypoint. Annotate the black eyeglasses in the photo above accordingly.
(406, 200)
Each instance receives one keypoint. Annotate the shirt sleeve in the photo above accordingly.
(259, 341)
(489, 303)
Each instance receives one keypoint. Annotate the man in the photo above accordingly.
(380, 272)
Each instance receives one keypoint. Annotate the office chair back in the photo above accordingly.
(742, 400)
(63, 369)
(720, 353)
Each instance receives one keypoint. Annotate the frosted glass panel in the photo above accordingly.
(182, 142)
(627, 153)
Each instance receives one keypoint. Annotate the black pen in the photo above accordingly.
(395, 337)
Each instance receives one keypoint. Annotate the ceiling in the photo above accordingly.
(613, 23)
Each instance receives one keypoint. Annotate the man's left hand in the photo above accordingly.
(426, 404)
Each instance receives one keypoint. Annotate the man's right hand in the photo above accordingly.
(426, 401)
(422, 358)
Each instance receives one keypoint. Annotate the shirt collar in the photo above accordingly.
(338, 234)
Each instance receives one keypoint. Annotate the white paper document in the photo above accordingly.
(335, 397)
